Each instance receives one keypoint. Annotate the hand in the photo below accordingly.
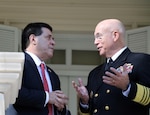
(119, 79)
(59, 99)
(81, 91)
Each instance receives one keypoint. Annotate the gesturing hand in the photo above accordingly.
(81, 91)
(117, 78)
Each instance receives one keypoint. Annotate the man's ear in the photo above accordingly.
(115, 35)
(32, 39)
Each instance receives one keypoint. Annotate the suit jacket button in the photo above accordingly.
(107, 108)
(107, 91)
(96, 95)
(95, 111)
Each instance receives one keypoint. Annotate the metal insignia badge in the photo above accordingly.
(126, 67)
(49, 70)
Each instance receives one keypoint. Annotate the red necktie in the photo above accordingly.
(46, 86)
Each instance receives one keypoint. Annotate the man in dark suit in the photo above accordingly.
(33, 99)
(119, 87)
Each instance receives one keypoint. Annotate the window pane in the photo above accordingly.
(84, 57)
(59, 57)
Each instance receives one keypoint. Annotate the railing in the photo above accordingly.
(11, 68)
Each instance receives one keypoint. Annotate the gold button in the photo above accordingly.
(95, 111)
(108, 91)
(96, 95)
(106, 107)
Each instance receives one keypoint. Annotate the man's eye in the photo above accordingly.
(97, 37)
(49, 37)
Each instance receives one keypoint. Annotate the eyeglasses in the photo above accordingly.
(98, 36)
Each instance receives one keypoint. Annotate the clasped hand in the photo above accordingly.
(59, 99)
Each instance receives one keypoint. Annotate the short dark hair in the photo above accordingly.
(32, 28)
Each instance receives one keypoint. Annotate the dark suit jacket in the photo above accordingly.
(109, 100)
(32, 96)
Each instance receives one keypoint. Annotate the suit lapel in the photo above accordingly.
(98, 78)
(51, 78)
(33, 65)
(121, 60)
(54, 79)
